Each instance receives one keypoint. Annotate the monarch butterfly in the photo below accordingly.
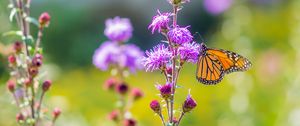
(213, 64)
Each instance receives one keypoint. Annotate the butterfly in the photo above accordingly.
(213, 64)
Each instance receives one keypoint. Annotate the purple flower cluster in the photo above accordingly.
(118, 29)
(157, 58)
(160, 22)
(115, 52)
(169, 59)
(180, 35)
(189, 52)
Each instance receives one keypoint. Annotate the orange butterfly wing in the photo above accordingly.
(213, 64)
(209, 70)
(231, 61)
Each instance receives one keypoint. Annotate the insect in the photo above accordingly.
(213, 64)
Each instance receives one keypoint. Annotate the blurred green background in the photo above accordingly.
(265, 31)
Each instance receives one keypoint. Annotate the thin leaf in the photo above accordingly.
(32, 20)
(12, 14)
(10, 33)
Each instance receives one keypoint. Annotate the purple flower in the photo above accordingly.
(131, 57)
(105, 55)
(216, 7)
(165, 90)
(180, 35)
(160, 22)
(118, 29)
(156, 58)
(189, 104)
(189, 52)
(126, 56)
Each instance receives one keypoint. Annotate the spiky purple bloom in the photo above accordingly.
(189, 104)
(216, 7)
(156, 58)
(118, 29)
(160, 22)
(189, 52)
(165, 90)
(126, 56)
(180, 35)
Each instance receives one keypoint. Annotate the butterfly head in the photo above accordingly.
(203, 48)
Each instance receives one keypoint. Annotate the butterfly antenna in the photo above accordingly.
(197, 34)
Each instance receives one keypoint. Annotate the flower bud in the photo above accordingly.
(33, 71)
(165, 90)
(38, 56)
(175, 121)
(155, 106)
(56, 112)
(18, 46)
(44, 19)
(114, 115)
(46, 85)
(129, 122)
(11, 85)
(189, 104)
(37, 62)
(20, 117)
(12, 59)
(110, 84)
(136, 93)
(28, 82)
(122, 88)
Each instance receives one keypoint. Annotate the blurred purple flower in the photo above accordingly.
(118, 29)
(156, 57)
(106, 55)
(180, 35)
(131, 57)
(160, 22)
(216, 7)
(189, 52)
(126, 56)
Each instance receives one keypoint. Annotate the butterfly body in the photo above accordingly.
(213, 64)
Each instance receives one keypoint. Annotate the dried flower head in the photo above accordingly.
(46, 85)
(180, 35)
(189, 104)
(129, 122)
(11, 85)
(56, 112)
(18, 46)
(118, 29)
(12, 59)
(189, 52)
(20, 117)
(44, 19)
(155, 106)
(160, 22)
(136, 93)
(114, 115)
(165, 90)
(156, 58)
(110, 83)
(122, 88)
